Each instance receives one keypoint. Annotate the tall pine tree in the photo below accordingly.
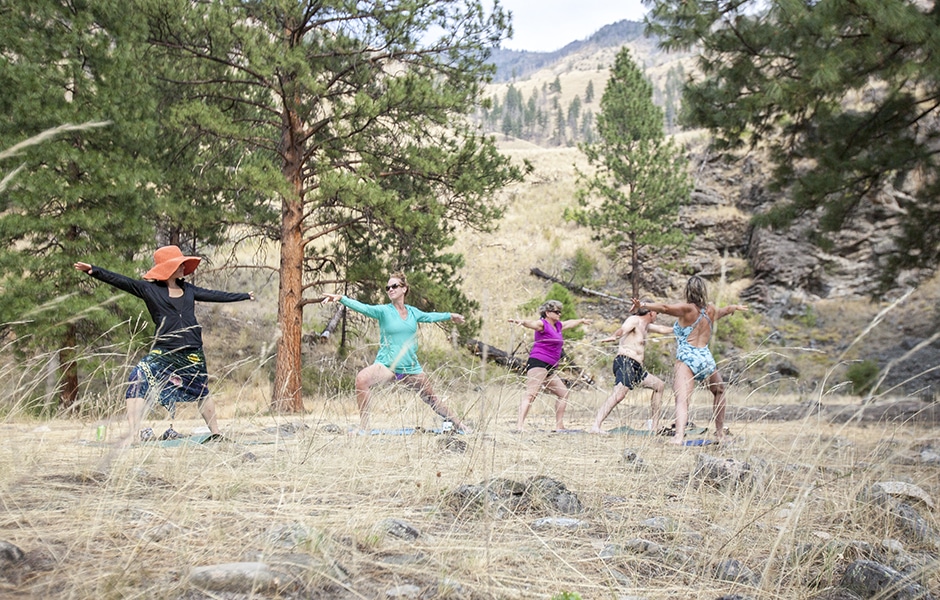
(360, 111)
(85, 193)
(632, 199)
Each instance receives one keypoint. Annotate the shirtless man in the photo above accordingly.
(628, 366)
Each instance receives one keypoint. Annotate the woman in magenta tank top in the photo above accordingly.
(543, 360)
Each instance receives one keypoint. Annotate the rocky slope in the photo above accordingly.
(821, 299)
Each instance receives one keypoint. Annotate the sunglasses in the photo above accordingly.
(557, 312)
(394, 286)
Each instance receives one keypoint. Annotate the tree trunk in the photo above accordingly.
(68, 371)
(287, 393)
(635, 265)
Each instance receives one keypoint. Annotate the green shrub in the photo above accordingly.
(567, 299)
(582, 268)
(736, 330)
(862, 375)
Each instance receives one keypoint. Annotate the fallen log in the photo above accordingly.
(500, 357)
(331, 326)
(576, 288)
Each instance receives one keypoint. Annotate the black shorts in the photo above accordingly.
(628, 372)
(534, 363)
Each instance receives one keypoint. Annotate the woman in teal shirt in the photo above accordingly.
(397, 358)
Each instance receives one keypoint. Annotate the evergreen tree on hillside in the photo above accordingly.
(359, 110)
(641, 179)
(844, 95)
(574, 114)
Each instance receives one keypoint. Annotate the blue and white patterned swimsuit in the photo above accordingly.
(699, 359)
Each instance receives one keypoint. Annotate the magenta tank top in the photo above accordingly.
(548, 343)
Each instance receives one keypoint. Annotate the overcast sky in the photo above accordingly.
(546, 25)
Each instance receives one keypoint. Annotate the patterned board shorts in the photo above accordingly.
(170, 377)
(699, 360)
(628, 372)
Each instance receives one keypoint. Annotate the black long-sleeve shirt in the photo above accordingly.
(175, 318)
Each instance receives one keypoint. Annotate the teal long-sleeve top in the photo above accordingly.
(397, 337)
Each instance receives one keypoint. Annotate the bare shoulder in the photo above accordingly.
(630, 323)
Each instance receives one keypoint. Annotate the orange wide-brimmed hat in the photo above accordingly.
(166, 261)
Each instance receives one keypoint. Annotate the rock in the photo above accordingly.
(470, 500)
(291, 535)
(300, 566)
(911, 521)
(892, 546)
(539, 494)
(903, 489)
(727, 473)
(661, 524)
(560, 523)
(241, 577)
(929, 456)
(400, 529)
(290, 429)
(786, 369)
(403, 559)
(10, 554)
(452, 443)
(733, 570)
(870, 579)
(404, 591)
(552, 495)
(645, 547)
(450, 588)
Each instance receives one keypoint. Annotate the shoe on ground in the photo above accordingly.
(170, 434)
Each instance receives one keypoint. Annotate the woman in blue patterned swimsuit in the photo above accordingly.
(694, 360)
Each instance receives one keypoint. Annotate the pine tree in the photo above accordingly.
(85, 193)
(843, 94)
(641, 179)
(357, 110)
(574, 113)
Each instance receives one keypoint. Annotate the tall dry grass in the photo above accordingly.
(103, 523)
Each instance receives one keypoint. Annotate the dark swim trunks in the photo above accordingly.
(628, 372)
(534, 363)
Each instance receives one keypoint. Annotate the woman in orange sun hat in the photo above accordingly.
(175, 368)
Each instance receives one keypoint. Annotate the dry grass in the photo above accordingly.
(107, 524)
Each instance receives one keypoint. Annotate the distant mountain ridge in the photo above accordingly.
(518, 64)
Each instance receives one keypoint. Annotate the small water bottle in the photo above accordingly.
(447, 427)
(99, 434)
